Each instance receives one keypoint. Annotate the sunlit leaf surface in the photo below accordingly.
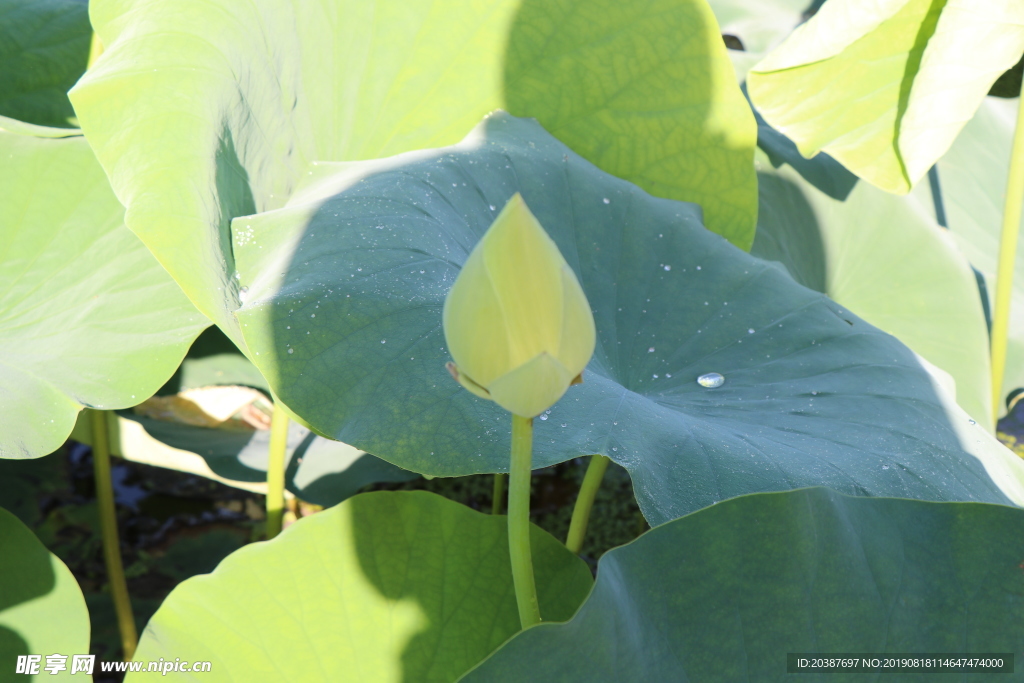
(384, 587)
(87, 315)
(261, 89)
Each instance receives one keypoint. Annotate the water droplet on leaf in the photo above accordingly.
(711, 380)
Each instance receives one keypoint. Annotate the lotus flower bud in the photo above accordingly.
(517, 322)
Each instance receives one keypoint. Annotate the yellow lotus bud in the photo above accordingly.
(517, 322)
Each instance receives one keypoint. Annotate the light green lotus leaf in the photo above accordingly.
(727, 593)
(345, 289)
(42, 610)
(886, 87)
(87, 315)
(970, 185)
(44, 47)
(204, 111)
(883, 257)
(404, 586)
(860, 245)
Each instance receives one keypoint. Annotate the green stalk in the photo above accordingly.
(1007, 254)
(498, 497)
(275, 470)
(108, 528)
(519, 521)
(585, 501)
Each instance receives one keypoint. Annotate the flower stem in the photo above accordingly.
(108, 529)
(1007, 254)
(498, 497)
(585, 501)
(275, 470)
(519, 521)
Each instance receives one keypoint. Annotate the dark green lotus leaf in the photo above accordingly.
(262, 89)
(87, 315)
(42, 610)
(724, 594)
(403, 586)
(343, 315)
(44, 48)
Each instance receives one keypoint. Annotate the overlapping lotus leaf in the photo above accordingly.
(343, 315)
(727, 593)
(968, 196)
(885, 87)
(384, 587)
(203, 111)
(42, 610)
(87, 315)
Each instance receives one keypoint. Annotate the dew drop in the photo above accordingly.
(606, 200)
(492, 207)
(654, 376)
(972, 422)
(698, 267)
(668, 267)
(544, 417)
(383, 341)
(711, 380)
(650, 350)
(750, 330)
(885, 467)
(291, 350)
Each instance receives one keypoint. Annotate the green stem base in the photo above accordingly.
(108, 528)
(585, 501)
(519, 521)
(275, 470)
(498, 495)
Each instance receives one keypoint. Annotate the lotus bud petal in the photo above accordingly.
(517, 322)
